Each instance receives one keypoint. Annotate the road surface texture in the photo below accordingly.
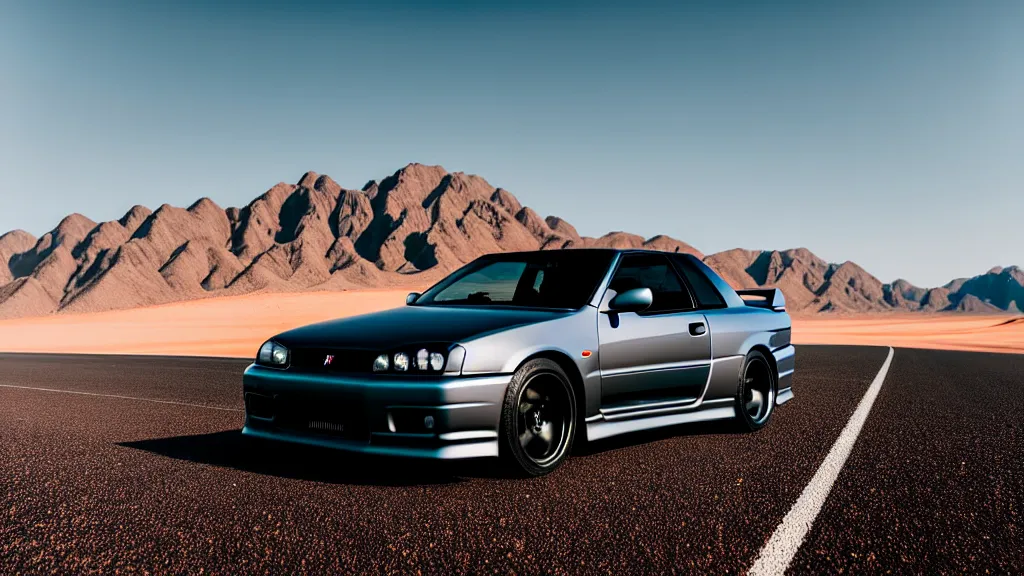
(135, 465)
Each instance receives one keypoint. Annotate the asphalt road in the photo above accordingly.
(142, 470)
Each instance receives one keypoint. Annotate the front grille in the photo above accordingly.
(345, 360)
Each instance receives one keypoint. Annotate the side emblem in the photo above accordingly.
(329, 360)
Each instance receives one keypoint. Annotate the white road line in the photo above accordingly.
(784, 543)
(121, 397)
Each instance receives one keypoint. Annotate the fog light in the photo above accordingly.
(428, 422)
(401, 361)
(422, 358)
(436, 361)
(381, 363)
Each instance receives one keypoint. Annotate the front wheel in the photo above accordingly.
(538, 419)
(755, 396)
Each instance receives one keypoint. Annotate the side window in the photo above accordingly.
(655, 272)
(703, 289)
(538, 281)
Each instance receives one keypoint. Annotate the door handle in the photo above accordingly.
(698, 329)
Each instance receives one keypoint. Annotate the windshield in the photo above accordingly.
(551, 279)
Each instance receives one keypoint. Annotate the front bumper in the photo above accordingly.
(439, 418)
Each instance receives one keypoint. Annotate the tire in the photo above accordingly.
(538, 419)
(755, 395)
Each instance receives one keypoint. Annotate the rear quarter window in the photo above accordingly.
(706, 293)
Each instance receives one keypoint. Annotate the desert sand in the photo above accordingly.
(995, 333)
(230, 326)
(236, 326)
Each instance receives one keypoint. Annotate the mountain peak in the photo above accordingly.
(74, 225)
(308, 179)
(326, 185)
(561, 227)
(134, 217)
(203, 204)
(17, 237)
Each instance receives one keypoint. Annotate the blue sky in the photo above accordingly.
(886, 133)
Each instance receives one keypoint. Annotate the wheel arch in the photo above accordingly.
(575, 381)
(767, 353)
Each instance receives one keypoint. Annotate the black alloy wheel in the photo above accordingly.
(538, 421)
(755, 398)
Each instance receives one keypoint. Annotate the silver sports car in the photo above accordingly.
(518, 355)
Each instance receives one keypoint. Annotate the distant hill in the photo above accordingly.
(409, 229)
(813, 285)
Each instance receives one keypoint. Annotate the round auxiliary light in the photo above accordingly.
(381, 363)
(422, 359)
(401, 361)
(436, 361)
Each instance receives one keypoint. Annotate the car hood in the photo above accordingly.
(411, 325)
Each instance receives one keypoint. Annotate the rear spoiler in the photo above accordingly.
(770, 298)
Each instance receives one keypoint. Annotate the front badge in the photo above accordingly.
(328, 360)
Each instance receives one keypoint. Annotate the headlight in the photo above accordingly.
(401, 361)
(436, 361)
(273, 354)
(424, 360)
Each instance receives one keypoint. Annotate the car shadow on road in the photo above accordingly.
(229, 449)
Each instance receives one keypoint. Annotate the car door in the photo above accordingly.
(661, 354)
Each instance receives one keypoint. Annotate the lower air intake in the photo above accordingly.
(324, 426)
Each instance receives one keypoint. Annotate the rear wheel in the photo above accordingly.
(538, 419)
(755, 396)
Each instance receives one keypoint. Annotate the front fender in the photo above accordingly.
(569, 336)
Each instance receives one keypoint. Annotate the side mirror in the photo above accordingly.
(412, 297)
(635, 300)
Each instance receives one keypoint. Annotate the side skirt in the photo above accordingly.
(784, 395)
(599, 426)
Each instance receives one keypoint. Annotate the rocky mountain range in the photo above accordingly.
(812, 285)
(406, 230)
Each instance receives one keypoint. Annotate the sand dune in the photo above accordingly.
(236, 326)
